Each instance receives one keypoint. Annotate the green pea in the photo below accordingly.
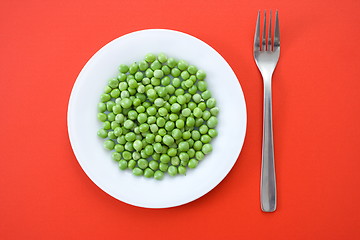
(107, 89)
(185, 75)
(129, 146)
(150, 57)
(172, 170)
(176, 134)
(163, 166)
(119, 148)
(143, 65)
(121, 140)
(205, 138)
(214, 111)
(191, 152)
(199, 155)
(212, 122)
(162, 58)
(212, 133)
(158, 175)
(136, 156)
(105, 97)
(166, 70)
(182, 65)
(149, 73)
(168, 140)
(138, 171)
(158, 139)
(154, 165)
(175, 108)
(171, 62)
(113, 83)
(181, 170)
(190, 122)
(183, 146)
(186, 135)
(193, 163)
(101, 107)
(155, 65)
(131, 164)
(184, 156)
(115, 93)
(158, 147)
(175, 73)
(106, 125)
(117, 109)
(143, 128)
(133, 68)
(201, 75)
(192, 106)
(195, 134)
(175, 161)
(142, 163)
(170, 89)
(193, 90)
(180, 123)
(116, 156)
(109, 144)
(206, 115)
(164, 158)
(202, 106)
(198, 145)
(169, 126)
(158, 73)
(137, 145)
(203, 129)
(130, 137)
(123, 164)
(126, 103)
(162, 132)
(151, 110)
(172, 152)
(118, 131)
(207, 148)
(102, 133)
(123, 68)
(111, 135)
(162, 111)
(199, 122)
(122, 77)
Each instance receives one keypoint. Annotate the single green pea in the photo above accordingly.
(166, 70)
(197, 112)
(146, 104)
(181, 99)
(206, 95)
(126, 103)
(149, 73)
(117, 109)
(170, 89)
(143, 128)
(142, 118)
(214, 111)
(172, 170)
(173, 117)
(190, 122)
(191, 142)
(143, 65)
(136, 155)
(131, 163)
(121, 77)
(176, 134)
(199, 122)
(162, 132)
(184, 162)
(150, 57)
(115, 93)
(182, 65)
(165, 80)
(207, 148)
(109, 144)
(162, 111)
(185, 75)
(197, 98)
(132, 83)
(137, 145)
(161, 91)
(191, 152)
(175, 72)
(157, 147)
(151, 93)
(123, 86)
(175, 108)
(111, 117)
(129, 124)
(184, 156)
(132, 115)
(137, 171)
(142, 163)
(154, 165)
(193, 90)
(186, 112)
(139, 76)
(202, 86)
(212, 133)
(186, 135)
(199, 155)
(171, 62)
(123, 164)
(120, 118)
(158, 175)
(198, 145)
(182, 170)
(102, 133)
(116, 156)
(158, 73)
(192, 106)
(164, 158)
(102, 117)
(169, 126)
(129, 146)
(133, 68)
(118, 131)
(193, 163)
(102, 107)
(155, 65)
(211, 102)
(141, 109)
(206, 115)
(168, 140)
(172, 152)
(111, 135)
(107, 89)
(121, 140)
(159, 102)
(205, 138)
(201, 75)
(154, 128)
(195, 134)
(151, 120)
(113, 83)
(183, 146)
(202, 106)
(110, 105)
(105, 97)
(123, 68)
(212, 122)
(203, 129)
(130, 137)
(180, 123)
(163, 166)
(162, 58)
(119, 148)
(151, 111)
(106, 125)
(188, 83)
(175, 161)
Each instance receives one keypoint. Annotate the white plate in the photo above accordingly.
(97, 162)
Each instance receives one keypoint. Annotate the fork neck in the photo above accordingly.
(267, 76)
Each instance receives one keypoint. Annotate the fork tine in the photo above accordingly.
(263, 47)
(277, 32)
(257, 34)
(269, 44)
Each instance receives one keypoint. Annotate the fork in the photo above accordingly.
(266, 56)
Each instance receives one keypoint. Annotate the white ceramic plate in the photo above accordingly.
(97, 162)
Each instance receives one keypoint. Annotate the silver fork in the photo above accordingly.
(266, 57)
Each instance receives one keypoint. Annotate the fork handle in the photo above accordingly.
(268, 180)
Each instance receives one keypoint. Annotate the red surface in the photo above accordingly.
(44, 194)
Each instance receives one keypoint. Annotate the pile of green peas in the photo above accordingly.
(158, 116)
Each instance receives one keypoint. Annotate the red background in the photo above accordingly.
(44, 194)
